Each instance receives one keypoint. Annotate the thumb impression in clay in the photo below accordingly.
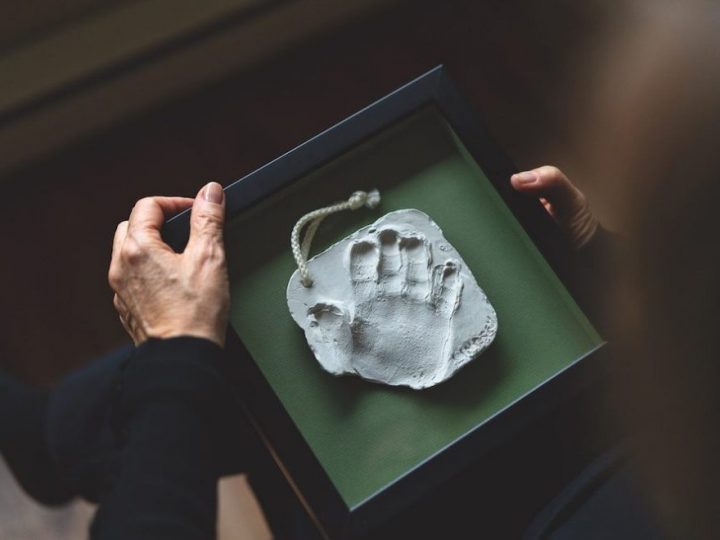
(393, 303)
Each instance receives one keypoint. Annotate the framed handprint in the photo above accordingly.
(355, 451)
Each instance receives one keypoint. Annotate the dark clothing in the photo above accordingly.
(604, 501)
(146, 433)
(137, 431)
(163, 421)
(78, 430)
(589, 276)
(23, 443)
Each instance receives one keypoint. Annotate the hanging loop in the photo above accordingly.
(301, 250)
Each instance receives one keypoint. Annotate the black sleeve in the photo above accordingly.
(592, 269)
(169, 394)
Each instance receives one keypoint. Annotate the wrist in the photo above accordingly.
(216, 334)
(198, 368)
(582, 228)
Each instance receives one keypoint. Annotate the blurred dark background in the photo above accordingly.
(104, 103)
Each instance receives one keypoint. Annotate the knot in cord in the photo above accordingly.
(313, 219)
(362, 198)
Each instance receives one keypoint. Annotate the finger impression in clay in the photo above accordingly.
(393, 303)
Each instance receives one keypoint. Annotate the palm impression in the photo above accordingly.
(393, 303)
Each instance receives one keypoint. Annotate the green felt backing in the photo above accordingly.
(366, 435)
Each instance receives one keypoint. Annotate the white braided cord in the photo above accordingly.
(301, 251)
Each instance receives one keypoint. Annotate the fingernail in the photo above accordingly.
(214, 193)
(526, 177)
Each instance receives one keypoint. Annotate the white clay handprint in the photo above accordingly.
(398, 318)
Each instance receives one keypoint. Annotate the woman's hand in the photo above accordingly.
(567, 205)
(160, 293)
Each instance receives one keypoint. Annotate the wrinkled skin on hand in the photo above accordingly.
(160, 293)
(565, 203)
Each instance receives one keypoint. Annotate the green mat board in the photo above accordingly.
(367, 435)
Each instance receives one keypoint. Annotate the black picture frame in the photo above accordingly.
(263, 408)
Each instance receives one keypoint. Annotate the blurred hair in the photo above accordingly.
(662, 137)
